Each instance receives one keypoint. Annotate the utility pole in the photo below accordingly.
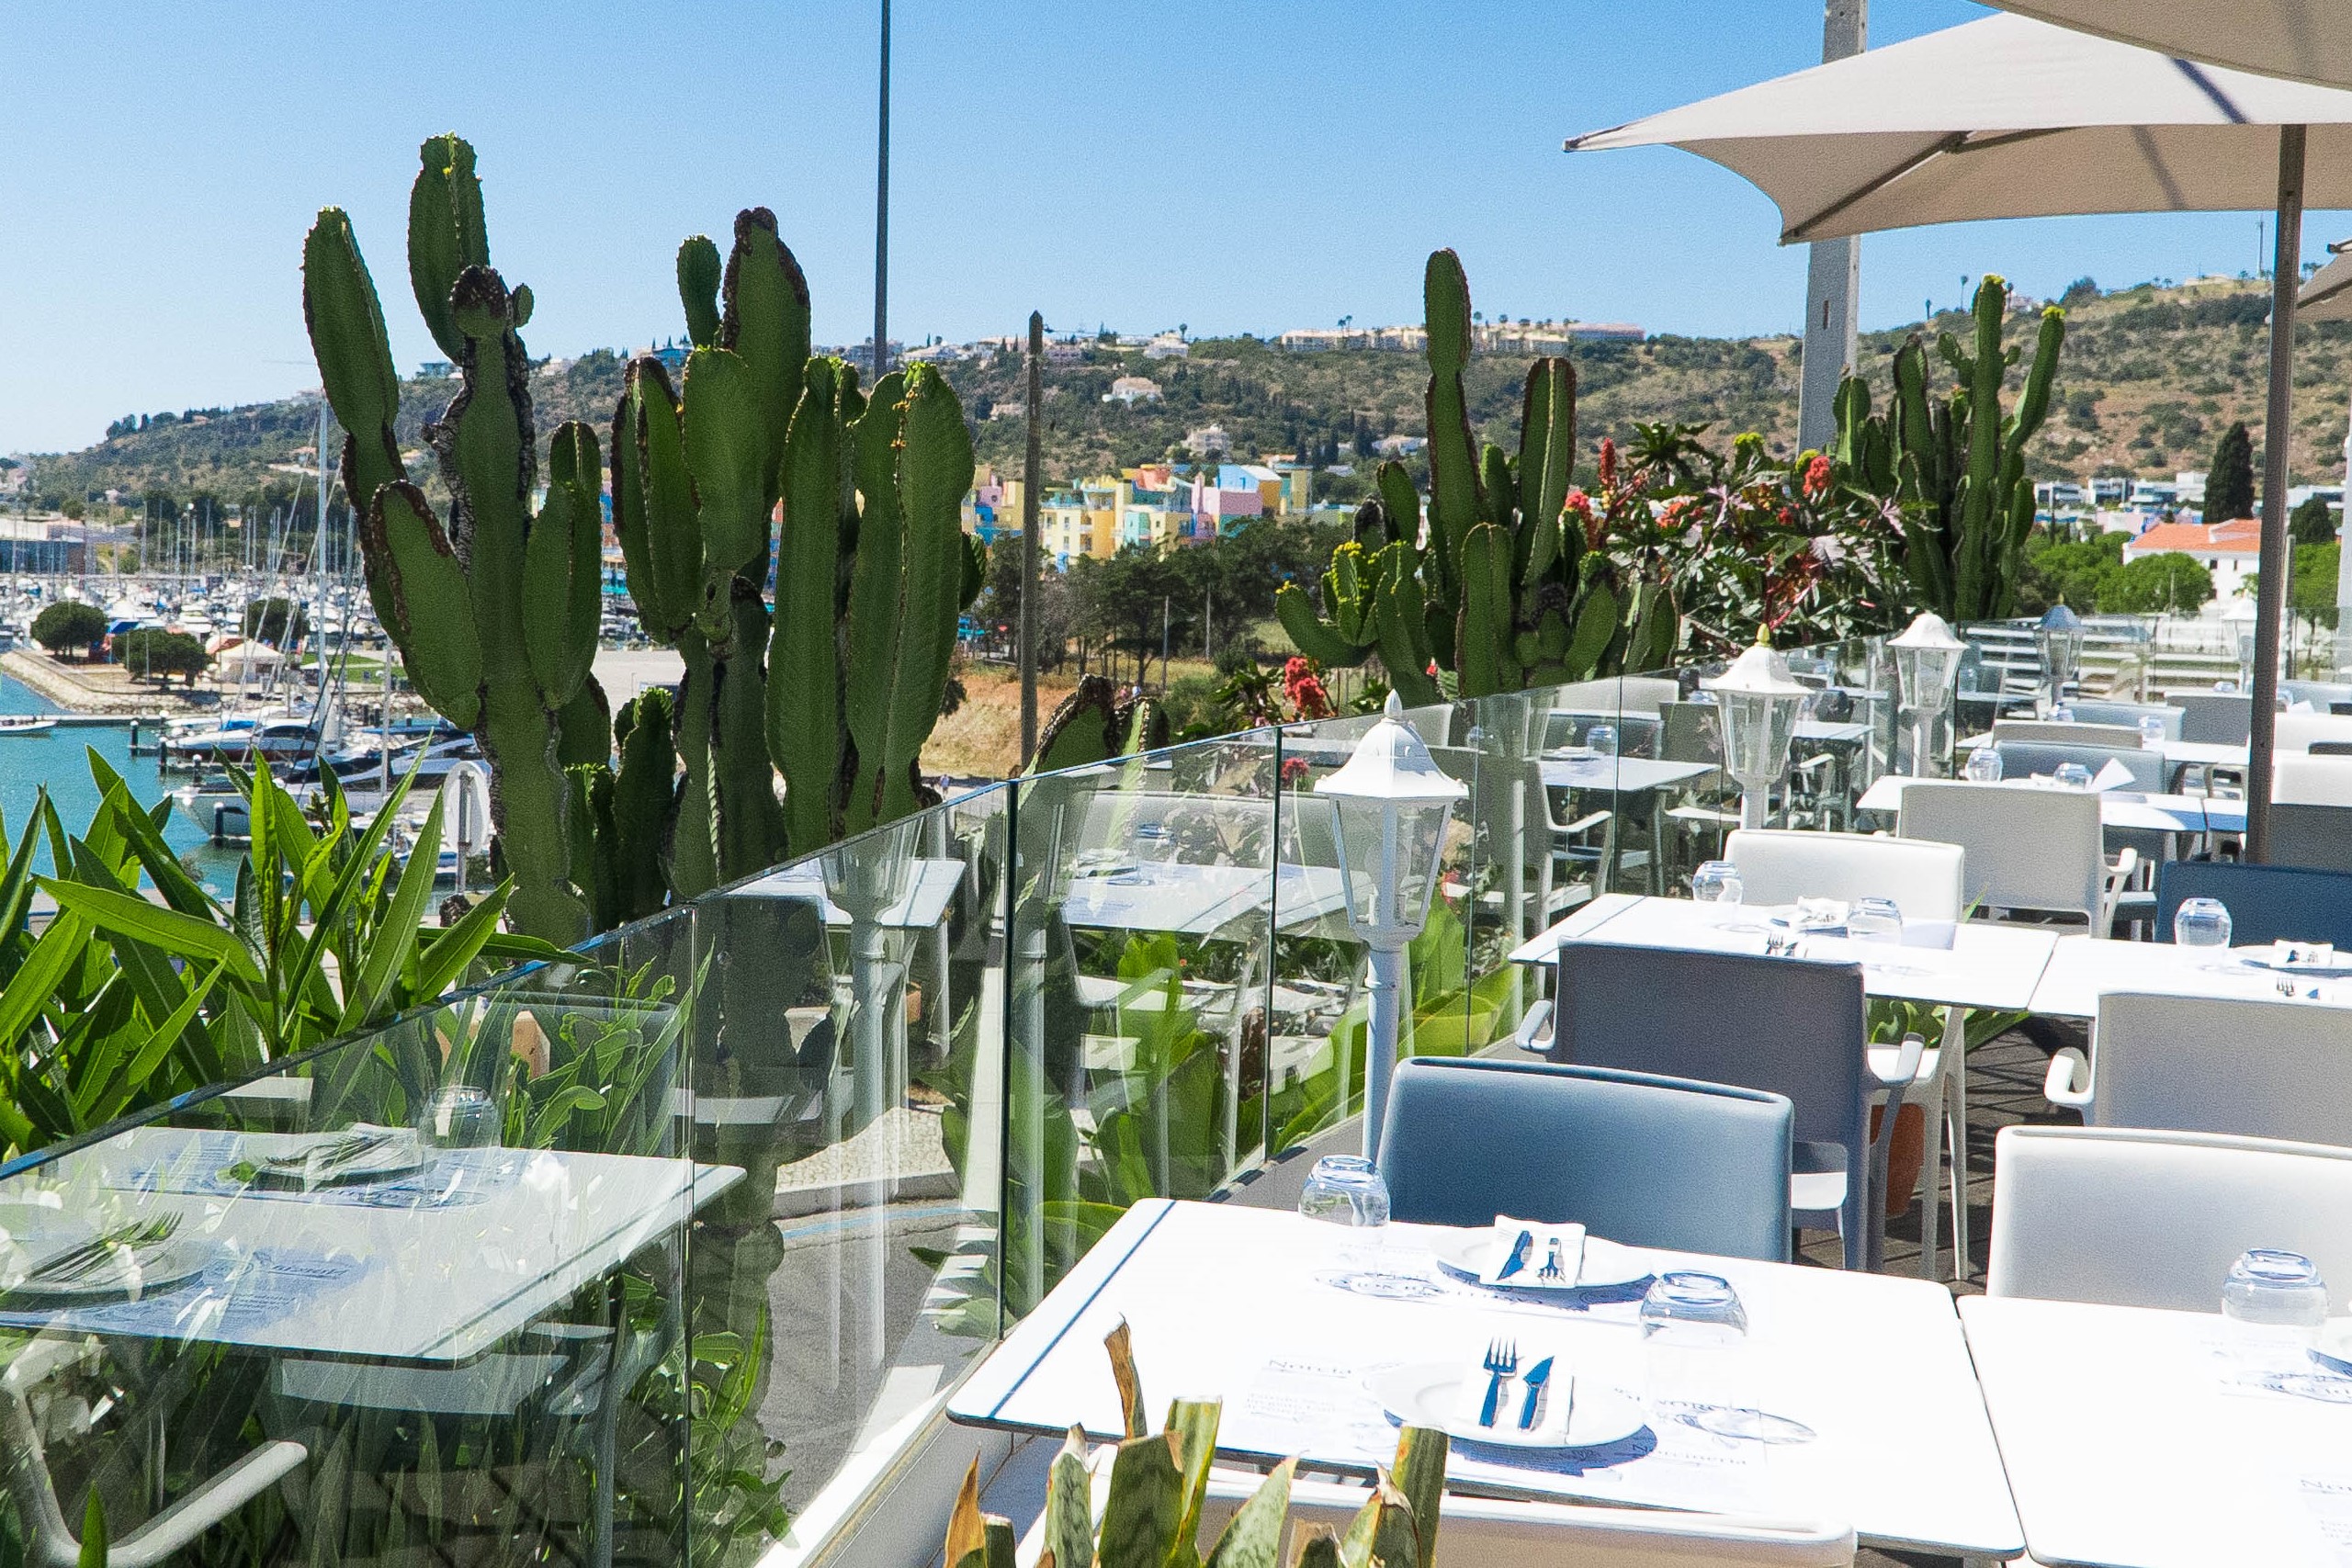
(1031, 462)
(882, 212)
(1833, 276)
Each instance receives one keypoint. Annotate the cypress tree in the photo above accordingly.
(2229, 484)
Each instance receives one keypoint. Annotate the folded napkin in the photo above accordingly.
(2302, 954)
(1553, 1395)
(1508, 1264)
(2111, 775)
(1817, 915)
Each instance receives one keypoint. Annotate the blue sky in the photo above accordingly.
(1240, 167)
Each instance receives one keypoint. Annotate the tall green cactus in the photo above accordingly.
(496, 614)
(874, 570)
(1506, 594)
(696, 475)
(1958, 480)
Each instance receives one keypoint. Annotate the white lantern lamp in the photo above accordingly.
(1757, 701)
(2059, 637)
(1393, 804)
(1926, 668)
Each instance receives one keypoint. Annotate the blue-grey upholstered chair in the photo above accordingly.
(2267, 903)
(1788, 1026)
(1641, 1160)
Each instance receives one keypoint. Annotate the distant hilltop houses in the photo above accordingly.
(1158, 505)
(1488, 337)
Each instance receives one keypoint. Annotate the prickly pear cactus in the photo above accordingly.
(495, 610)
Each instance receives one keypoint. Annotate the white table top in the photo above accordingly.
(1986, 966)
(924, 904)
(2084, 969)
(2117, 808)
(440, 1272)
(2125, 1446)
(1197, 899)
(1251, 1306)
(1627, 774)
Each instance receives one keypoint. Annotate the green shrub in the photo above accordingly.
(150, 652)
(70, 625)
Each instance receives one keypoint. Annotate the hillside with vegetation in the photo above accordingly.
(2151, 378)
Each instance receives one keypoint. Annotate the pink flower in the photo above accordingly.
(1608, 464)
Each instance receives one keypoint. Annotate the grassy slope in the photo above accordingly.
(2167, 369)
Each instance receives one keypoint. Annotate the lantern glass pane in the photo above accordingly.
(1390, 850)
(1757, 730)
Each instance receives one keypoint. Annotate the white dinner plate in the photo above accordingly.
(1605, 1262)
(1428, 1394)
(401, 1153)
(127, 1273)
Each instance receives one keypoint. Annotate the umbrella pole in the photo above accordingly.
(2269, 601)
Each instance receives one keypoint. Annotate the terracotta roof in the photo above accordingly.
(2243, 537)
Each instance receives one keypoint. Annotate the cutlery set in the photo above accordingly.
(94, 1257)
(1502, 1366)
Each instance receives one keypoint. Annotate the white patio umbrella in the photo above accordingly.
(2309, 41)
(2012, 118)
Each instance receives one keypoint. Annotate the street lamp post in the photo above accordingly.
(1926, 668)
(1393, 805)
(1757, 701)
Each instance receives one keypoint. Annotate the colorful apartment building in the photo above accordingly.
(1156, 505)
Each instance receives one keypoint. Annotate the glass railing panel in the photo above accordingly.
(421, 1291)
(845, 1054)
(1143, 900)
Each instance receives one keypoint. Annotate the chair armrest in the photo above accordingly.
(1531, 1034)
(177, 1527)
(1906, 1063)
(2119, 876)
(1588, 823)
(2069, 1081)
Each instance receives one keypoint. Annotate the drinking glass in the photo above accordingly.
(460, 1117)
(2073, 775)
(1875, 920)
(2201, 922)
(1984, 765)
(2273, 1303)
(1155, 845)
(1716, 882)
(1345, 1189)
(2152, 730)
(1692, 1331)
(1602, 739)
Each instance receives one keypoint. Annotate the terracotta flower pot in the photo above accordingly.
(1903, 1155)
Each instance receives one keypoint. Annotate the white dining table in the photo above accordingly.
(2130, 1442)
(437, 1268)
(1627, 775)
(2117, 808)
(1196, 899)
(1989, 966)
(1285, 1319)
(929, 890)
(2084, 969)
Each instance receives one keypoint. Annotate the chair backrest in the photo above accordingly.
(1779, 866)
(1693, 732)
(2029, 759)
(2321, 694)
(2262, 1069)
(2296, 731)
(1493, 1532)
(2027, 847)
(2318, 837)
(2155, 1219)
(2300, 779)
(1787, 1026)
(2106, 736)
(2267, 903)
(2330, 747)
(1622, 694)
(1642, 1159)
(2219, 719)
(2128, 715)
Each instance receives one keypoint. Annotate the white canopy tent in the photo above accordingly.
(2012, 118)
(2309, 41)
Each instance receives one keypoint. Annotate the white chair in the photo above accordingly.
(1628, 693)
(1485, 1532)
(2297, 778)
(2153, 1219)
(2106, 736)
(2296, 731)
(2028, 847)
(2262, 1069)
(1925, 878)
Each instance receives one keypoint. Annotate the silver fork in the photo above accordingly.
(1551, 1269)
(1502, 1364)
(95, 1254)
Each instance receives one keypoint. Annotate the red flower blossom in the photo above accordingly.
(1608, 464)
(1304, 685)
(1294, 770)
(1816, 476)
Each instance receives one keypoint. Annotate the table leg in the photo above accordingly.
(1956, 1035)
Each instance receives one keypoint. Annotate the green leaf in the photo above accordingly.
(1069, 1525)
(1253, 1537)
(1145, 1507)
(182, 935)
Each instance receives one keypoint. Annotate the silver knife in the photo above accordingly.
(1518, 1259)
(1535, 1380)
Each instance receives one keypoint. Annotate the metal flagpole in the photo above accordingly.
(2286, 278)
